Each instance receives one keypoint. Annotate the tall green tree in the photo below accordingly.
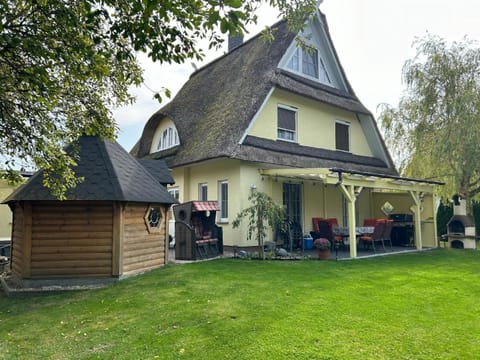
(435, 129)
(65, 64)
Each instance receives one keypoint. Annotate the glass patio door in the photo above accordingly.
(292, 200)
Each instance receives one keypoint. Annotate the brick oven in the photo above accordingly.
(461, 227)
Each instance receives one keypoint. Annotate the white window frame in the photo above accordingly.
(323, 75)
(346, 123)
(168, 139)
(223, 203)
(295, 133)
(202, 186)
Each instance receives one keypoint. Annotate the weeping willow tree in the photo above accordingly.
(435, 129)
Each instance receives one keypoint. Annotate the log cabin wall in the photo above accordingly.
(17, 240)
(142, 249)
(70, 239)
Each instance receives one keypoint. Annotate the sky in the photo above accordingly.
(373, 39)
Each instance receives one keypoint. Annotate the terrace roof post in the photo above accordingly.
(350, 194)
(417, 218)
(434, 207)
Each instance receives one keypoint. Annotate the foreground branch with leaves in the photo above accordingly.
(64, 65)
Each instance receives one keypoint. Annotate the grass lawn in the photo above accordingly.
(412, 306)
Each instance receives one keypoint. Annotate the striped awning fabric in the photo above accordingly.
(205, 206)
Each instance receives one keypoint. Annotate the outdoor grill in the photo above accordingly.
(461, 227)
(402, 230)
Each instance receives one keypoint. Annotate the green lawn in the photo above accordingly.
(413, 306)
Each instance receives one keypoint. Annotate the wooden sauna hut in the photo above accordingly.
(196, 234)
(112, 224)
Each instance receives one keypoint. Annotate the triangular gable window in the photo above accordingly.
(307, 61)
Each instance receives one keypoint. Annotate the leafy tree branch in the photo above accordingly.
(64, 65)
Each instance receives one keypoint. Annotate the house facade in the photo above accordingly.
(281, 117)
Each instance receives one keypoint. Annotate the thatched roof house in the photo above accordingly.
(277, 117)
(214, 109)
(112, 224)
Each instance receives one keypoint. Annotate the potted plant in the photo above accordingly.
(323, 247)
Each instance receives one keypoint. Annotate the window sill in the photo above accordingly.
(289, 141)
(222, 221)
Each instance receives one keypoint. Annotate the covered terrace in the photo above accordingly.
(380, 188)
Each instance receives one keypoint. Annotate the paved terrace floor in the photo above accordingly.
(340, 254)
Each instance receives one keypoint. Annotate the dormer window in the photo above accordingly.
(168, 139)
(307, 61)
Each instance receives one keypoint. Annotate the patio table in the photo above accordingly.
(344, 231)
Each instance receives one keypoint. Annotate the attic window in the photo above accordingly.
(168, 139)
(307, 61)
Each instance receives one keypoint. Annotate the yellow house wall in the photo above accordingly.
(363, 206)
(188, 179)
(333, 207)
(315, 123)
(313, 200)
(5, 213)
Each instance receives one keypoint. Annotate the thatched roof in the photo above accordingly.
(214, 108)
(110, 174)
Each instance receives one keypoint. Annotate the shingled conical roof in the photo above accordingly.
(110, 174)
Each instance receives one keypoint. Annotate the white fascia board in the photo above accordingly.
(335, 60)
(252, 121)
(314, 34)
(374, 138)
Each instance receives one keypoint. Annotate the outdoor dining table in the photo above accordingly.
(344, 232)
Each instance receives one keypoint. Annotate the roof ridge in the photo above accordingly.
(203, 67)
(109, 166)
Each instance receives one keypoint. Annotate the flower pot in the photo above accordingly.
(324, 254)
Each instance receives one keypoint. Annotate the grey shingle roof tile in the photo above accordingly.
(111, 174)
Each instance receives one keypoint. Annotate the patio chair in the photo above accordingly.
(387, 234)
(369, 222)
(339, 240)
(376, 236)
